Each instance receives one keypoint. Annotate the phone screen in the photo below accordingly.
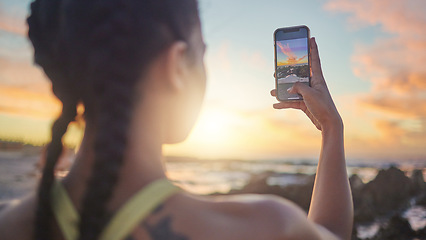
(291, 60)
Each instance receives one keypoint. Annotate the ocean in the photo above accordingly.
(220, 176)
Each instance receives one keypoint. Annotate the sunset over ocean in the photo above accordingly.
(373, 65)
(373, 59)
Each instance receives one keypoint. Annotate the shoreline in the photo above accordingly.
(385, 199)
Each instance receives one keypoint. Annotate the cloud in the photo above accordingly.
(24, 102)
(25, 90)
(394, 109)
(395, 65)
(394, 16)
(402, 140)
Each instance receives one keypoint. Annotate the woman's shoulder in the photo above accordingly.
(273, 216)
(274, 212)
(249, 216)
(17, 218)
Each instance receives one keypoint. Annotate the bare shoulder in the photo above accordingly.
(17, 218)
(273, 217)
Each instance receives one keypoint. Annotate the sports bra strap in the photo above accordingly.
(137, 208)
(65, 212)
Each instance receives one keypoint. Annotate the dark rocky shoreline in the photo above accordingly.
(386, 197)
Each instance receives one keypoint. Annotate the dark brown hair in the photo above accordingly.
(94, 52)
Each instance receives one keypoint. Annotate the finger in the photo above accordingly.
(300, 88)
(282, 105)
(316, 63)
(274, 74)
(273, 92)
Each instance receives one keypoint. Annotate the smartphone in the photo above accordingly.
(292, 60)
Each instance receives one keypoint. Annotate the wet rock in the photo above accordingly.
(389, 191)
(398, 228)
(299, 193)
(354, 235)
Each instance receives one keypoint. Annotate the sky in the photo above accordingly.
(372, 54)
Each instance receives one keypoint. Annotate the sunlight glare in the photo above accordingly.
(214, 127)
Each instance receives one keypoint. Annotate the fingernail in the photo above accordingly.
(289, 89)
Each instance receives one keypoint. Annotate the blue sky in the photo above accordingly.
(250, 25)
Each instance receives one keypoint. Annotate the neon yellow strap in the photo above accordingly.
(137, 208)
(64, 211)
(125, 219)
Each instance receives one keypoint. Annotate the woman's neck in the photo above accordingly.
(142, 164)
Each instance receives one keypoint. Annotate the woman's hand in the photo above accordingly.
(317, 102)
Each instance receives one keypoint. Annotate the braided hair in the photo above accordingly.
(94, 53)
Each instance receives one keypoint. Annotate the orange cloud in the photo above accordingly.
(23, 102)
(401, 139)
(291, 57)
(395, 16)
(24, 88)
(395, 64)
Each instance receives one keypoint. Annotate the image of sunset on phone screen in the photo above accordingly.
(292, 61)
(292, 65)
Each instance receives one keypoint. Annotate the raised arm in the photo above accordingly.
(331, 204)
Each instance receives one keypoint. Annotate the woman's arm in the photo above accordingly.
(331, 204)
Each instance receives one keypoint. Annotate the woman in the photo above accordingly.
(137, 67)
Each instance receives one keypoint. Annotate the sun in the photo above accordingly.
(213, 127)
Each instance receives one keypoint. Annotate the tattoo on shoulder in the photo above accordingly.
(130, 237)
(163, 230)
(158, 209)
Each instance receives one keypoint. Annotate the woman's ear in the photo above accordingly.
(176, 65)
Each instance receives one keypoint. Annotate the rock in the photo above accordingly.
(257, 183)
(354, 235)
(390, 191)
(421, 199)
(356, 182)
(418, 180)
(421, 233)
(299, 193)
(3, 205)
(398, 228)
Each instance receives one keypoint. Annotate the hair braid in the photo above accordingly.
(54, 150)
(115, 104)
(43, 25)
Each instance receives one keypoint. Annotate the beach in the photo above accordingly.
(389, 199)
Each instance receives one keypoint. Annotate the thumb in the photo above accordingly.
(300, 88)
